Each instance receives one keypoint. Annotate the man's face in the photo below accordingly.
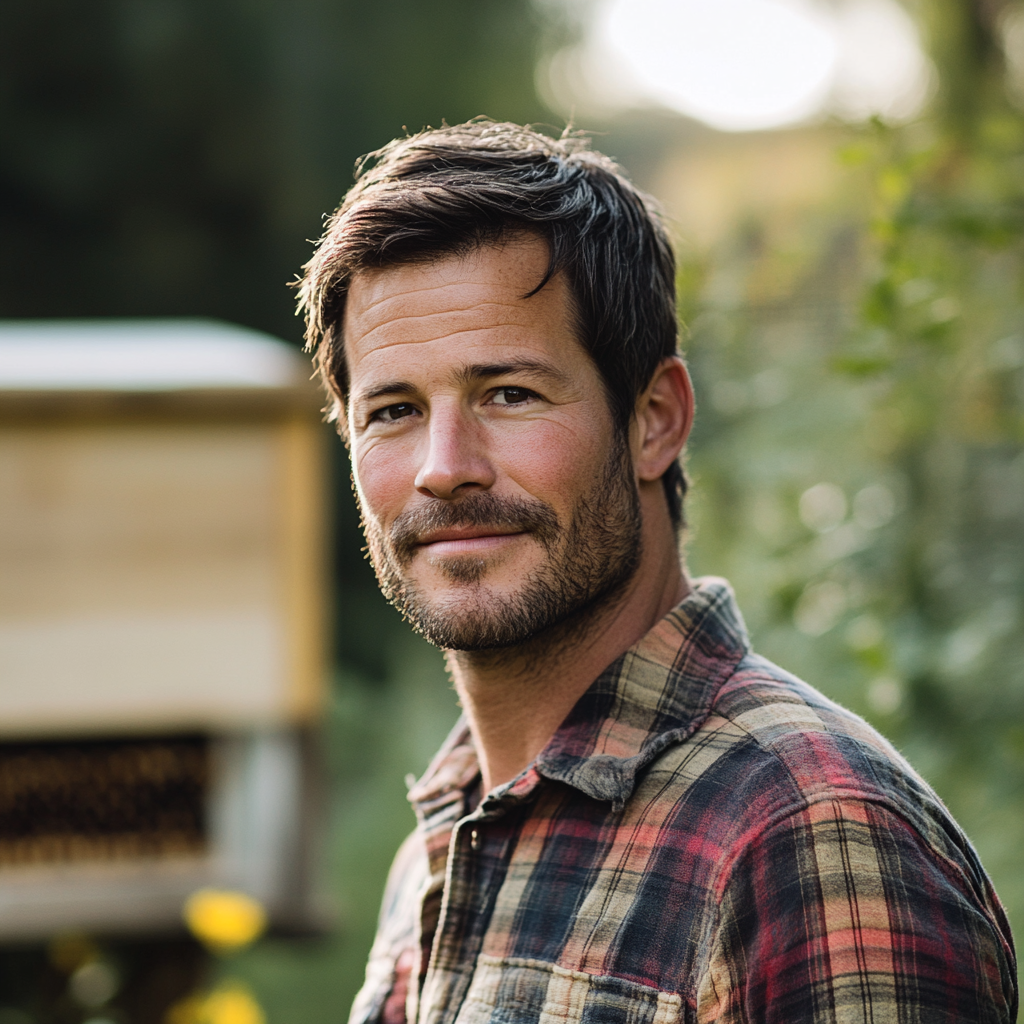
(497, 496)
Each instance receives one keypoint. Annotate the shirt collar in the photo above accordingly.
(655, 695)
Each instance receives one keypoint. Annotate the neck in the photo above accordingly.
(516, 698)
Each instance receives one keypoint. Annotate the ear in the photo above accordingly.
(664, 415)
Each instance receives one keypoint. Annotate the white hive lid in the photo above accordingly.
(143, 355)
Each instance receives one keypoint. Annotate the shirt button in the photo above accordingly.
(474, 840)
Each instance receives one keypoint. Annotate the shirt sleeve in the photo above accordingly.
(841, 912)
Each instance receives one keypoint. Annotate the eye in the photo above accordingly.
(390, 413)
(512, 396)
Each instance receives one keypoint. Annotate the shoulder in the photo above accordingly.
(831, 850)
(806, 749)
(774, 753)
(409, 874)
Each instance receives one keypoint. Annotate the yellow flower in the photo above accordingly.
(223, 920)
(229, 1003)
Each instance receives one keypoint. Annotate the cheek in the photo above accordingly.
(384, 477)
(556, 462)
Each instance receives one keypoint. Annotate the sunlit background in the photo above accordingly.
(845, 183)
(743, 65)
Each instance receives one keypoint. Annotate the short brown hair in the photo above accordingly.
(448, 190)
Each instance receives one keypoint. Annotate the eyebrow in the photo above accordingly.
(535, 368)
(390, 387)
(470, 374)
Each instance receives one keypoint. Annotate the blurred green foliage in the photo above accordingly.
(172, 156)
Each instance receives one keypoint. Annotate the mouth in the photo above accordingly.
(467, 540)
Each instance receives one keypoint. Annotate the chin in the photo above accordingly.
(469, 618)
(475, 618)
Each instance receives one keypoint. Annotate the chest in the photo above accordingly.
(562, 910)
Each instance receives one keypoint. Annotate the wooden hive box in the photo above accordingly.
(162, 596)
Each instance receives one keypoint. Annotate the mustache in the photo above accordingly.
(483, 509)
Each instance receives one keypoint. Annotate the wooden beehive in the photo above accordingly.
(162, 654)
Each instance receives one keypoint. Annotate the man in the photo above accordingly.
(638, 819)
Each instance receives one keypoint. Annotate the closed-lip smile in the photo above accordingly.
(466, 539)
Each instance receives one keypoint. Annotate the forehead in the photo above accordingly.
(461, 304)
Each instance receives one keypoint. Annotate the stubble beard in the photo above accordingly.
(589, 561)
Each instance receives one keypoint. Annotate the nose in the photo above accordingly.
(456, 458)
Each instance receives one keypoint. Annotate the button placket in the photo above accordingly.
(473, 880)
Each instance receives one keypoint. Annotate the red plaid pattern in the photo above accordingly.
(706, 838)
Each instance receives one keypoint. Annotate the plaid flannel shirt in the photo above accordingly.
(705, 838)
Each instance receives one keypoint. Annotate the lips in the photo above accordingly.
(466, 533)
(475, 542)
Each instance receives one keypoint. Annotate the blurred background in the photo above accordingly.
(845, 183)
